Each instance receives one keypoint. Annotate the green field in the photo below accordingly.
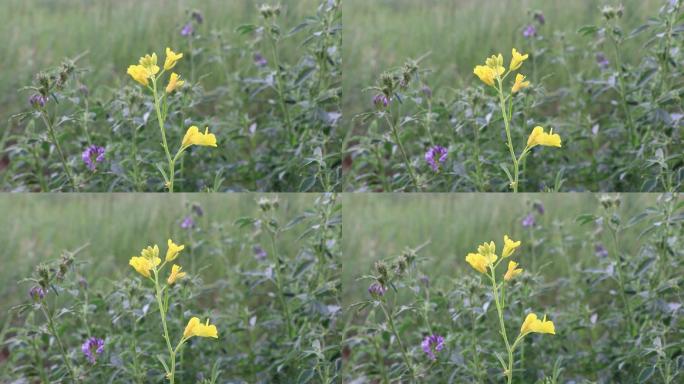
(112, 34)
(114, 227)
(457, 35)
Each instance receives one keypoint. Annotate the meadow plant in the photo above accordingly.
(150, 266)
(147, 72)
(486, 261)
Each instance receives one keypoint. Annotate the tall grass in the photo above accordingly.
(38, 34)
(456, 33)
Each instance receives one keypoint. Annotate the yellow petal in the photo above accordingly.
(174, 83)
(477, 261)
(141, 264)
(517, 60)
(512, 271)
(139, 74)
(171, 59)
(194, 137)
(175, 274)
(519, 83)
(485, 74)
(196, 328)
(189, 329)
(173, 250)
(509, 246)
(539, 137)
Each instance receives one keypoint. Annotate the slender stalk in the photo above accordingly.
(280, 88)
(279, 285)
(53, 137)
(621, 282)
(409, 168)
(507, 126)
(53, 331)
(162, 314)
(634, 139)
(404, 352)
(502, 326)
(160, 119)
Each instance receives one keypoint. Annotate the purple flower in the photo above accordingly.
(187, 223)
(432, 344)
(259, 253)
(600, 250)
(377, 289)
(187, 30)
(528, 221)
(37, 293)
(260, 60)
(435, 156)
(530, 31)
(427, 91)
(539, 18)
(539, 207)
(381, 101)
(602, 60)
(38, 100)
(92, 155)
(92, 347)
(198, 17)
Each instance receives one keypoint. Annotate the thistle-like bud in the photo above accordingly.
(269, 11)
(381, 268)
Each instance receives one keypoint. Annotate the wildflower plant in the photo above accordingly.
(150, 266)
(148, 74)
(494, 74)
(485, 261)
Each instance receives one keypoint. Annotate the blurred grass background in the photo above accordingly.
(37, 228)
(39, 34)
(381, 226)
(458, 34)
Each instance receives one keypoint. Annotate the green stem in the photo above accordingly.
(507, 126)
(162, 314)
(53, 331)
(404, 352)
(634, 139)
(53, 137)
(280, 89)
(409, 168)
(279, 286)
(160, 119)
(499, 310)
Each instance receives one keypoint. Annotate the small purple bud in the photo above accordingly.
(435, 156)
(381, 101)
(260, 60)
(37, 100)
(530, 31)
(602, 60)
(528, 221)
(600, 250)
(539, 207)
(92, 156)
(259, 253)
(187, 223)
(91, 348)
(427, 91)
(376, 289)
(187, 30)
(198, 17)
(37, 293)
(432, 344)
(539, 18)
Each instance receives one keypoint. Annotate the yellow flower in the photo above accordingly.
(174, 83)
(151, 253)
(173, 250)
(496, 63)
(478, 262)
(517, 60)
(171, 59)
(512, 271)
(194, 137)
(485, 74)
(520, 83)
(175, 274)
(142, 265)
(488, 250)
(149, 62)
(533, 324)
(196, 328)
(509, 246)
(139, 74)
(539, 137)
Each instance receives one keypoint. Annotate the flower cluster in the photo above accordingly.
(485, 261)
(150, 266)
(92, 348)
(148, 74)
(493, 74)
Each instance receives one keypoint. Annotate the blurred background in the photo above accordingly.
(381, 226)
(111, 35)
(114, 227)
(459, 34)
